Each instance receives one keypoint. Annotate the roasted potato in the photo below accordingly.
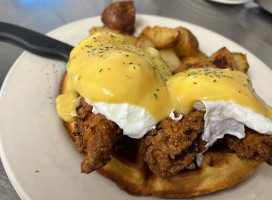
(221, 58)
(239, 62)
(131, 38)
(144, 42)
(170, 57)
(120, 16)
(200, 56)
(186, 43)
(202, 64)
(160, 36)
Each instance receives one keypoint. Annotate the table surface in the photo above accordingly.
(247, 24)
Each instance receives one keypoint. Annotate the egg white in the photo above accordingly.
(134, 120)
(227, 117)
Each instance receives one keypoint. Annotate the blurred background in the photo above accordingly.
(247, 22)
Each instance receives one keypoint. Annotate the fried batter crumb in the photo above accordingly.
(173, 145)
(254, 146)
(95, 137)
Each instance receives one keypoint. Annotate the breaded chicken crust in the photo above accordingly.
(95, 137)
(254, 146)
(173, 145)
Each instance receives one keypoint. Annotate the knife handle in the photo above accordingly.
(34, 42)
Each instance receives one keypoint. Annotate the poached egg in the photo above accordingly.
(228, 98)
(120, 81)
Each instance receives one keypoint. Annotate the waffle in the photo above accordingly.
(128, 170)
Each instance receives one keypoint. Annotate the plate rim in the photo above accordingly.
(229, 2)
(11, 175)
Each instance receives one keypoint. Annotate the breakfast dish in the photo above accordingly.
(59, 161)
(106, 65)
(190, 125)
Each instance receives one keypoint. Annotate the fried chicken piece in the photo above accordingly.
(173, 145)
(95, 137)
(254, 146)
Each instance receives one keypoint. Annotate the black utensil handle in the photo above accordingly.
(34, 42)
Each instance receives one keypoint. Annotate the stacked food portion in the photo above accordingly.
(159, 117)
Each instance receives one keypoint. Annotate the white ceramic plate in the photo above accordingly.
(233, 2)
(36, 151)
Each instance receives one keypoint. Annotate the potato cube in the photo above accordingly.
(161, 36)
(239, 62)
(200, 56)
(186, 43)
(170, 57)
(144, 42)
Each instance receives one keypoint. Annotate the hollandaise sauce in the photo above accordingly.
(126, 84)
(209, 84)
(107, 68)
